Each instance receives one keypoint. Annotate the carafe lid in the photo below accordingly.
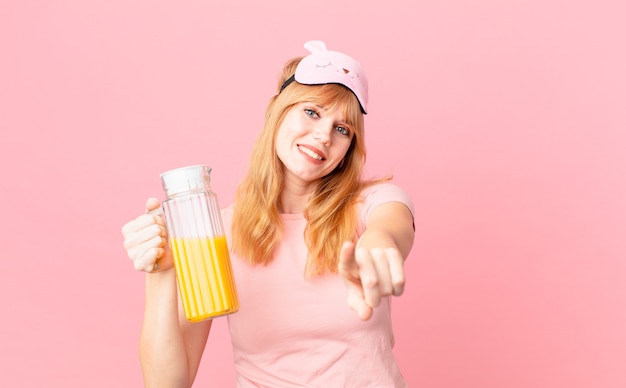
(186, 179)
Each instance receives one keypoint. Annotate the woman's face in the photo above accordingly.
(312, 141)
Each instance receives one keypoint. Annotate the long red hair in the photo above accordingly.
(331, 210)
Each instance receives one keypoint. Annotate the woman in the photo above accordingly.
(306, 233)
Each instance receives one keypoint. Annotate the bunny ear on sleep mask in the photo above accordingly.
(331, 67)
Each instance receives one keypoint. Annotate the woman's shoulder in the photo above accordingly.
(382, 188)
(378, 193)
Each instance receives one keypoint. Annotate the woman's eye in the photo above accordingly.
(342, 130)
(310, 112)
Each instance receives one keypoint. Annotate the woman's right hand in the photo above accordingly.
(145, 240)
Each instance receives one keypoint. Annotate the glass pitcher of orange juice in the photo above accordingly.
(198, 242)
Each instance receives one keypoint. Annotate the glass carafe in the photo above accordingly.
(198, 242)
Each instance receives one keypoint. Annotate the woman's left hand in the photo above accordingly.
(369, 275)
(373, 268)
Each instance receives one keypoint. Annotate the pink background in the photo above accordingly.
(504, 120)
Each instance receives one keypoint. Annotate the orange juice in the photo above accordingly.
(205, 277)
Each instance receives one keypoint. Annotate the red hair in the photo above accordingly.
(331, 210)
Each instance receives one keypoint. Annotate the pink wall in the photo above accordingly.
(504, 120)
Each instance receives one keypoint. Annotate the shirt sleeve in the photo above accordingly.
(379, 194)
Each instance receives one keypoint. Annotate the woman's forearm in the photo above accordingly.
(162, 351)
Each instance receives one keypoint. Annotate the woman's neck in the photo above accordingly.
(294, 197)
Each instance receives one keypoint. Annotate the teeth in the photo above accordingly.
(310, 153)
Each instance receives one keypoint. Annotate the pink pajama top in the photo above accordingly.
(291, 331)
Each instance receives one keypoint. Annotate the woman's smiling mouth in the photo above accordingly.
(310, 152)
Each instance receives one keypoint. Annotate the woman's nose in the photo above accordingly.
(323, 132)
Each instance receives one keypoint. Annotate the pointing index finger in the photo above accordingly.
(346, 257)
